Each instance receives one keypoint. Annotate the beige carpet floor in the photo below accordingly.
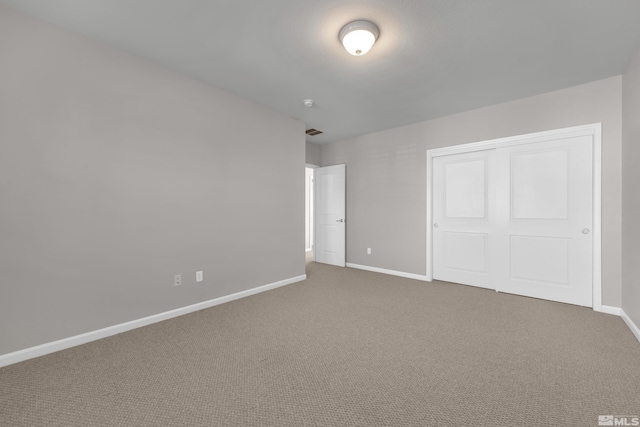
(344, 348)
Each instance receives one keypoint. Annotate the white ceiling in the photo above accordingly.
(433, 57)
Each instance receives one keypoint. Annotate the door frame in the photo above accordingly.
(310, 194)
(594, 130)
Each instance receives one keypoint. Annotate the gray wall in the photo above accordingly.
(313, 154)
(631, 190)
(116, 174)
(386, 173)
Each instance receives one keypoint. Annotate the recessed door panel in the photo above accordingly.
(539, 185)
(466, 251)
(540, 259)
(465, 189)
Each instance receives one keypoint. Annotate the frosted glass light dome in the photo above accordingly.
(358, 37)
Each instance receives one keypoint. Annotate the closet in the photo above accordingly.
(517, 214)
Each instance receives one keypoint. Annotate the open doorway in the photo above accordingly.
(308, 212)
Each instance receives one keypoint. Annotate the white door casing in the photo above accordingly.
(546, 190)
(308, 208)
(330, 219)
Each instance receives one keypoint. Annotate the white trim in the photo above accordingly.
(634, 328)
(608, 309)
(510, 141)
(597, 216)
(390, 272)
(429, 167)
(41, 350)
(594, 129)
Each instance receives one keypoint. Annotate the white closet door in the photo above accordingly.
(517, 219)
(464, 203)
(545, 220)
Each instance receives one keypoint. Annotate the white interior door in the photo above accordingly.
(547, 224)
(330, 220)
(464, 203)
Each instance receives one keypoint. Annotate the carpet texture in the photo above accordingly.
(343, 348)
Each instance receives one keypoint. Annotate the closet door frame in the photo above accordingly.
(594, 130)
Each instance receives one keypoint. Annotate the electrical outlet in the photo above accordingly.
(368, 251)
(199, 276)
(177, 280)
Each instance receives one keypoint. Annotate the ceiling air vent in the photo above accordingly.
(313, 132)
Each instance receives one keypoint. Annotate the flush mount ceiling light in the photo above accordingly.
(357, 37)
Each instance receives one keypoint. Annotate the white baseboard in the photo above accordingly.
(620, 312)
(385, 271)
(617, 311)
(41, 350)
(634, 328)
